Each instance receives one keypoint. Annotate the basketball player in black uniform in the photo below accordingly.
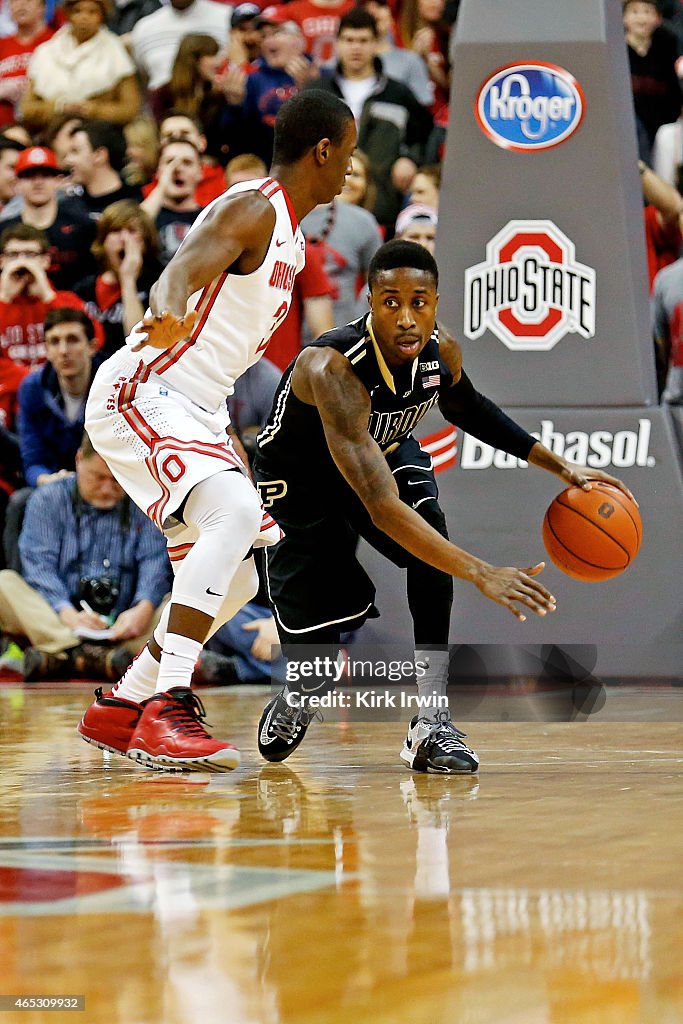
(337, 459)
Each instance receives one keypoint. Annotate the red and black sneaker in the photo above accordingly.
(110, 722)
(170, 735)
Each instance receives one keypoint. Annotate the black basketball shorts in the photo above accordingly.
(313, 576)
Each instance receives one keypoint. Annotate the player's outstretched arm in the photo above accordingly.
(462, 405)
(324, 378)
(235, 234)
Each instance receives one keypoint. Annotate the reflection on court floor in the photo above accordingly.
(339, 885)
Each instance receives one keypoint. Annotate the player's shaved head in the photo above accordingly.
(399, 254)
(304, 120)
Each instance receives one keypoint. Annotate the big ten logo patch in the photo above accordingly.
(530, 291)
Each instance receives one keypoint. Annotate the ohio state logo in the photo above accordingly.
(530, 291)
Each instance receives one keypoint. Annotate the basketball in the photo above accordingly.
(592, 535)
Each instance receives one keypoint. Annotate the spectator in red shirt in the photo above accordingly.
(318, 20)
(16, 51)
(11, 376)
(26, 295)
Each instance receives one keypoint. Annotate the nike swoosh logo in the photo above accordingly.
(213, 592)
(265, 736)
(281, 242)
(313, 689)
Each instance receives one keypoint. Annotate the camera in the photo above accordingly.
(99, 592)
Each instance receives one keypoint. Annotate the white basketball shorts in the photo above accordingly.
(157, 443)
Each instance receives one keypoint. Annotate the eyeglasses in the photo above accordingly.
(15, 254)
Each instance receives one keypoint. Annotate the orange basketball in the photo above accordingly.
(592, 535)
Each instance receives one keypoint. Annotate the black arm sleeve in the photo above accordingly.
(479, 416)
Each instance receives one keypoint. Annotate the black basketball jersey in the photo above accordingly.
(293, 437)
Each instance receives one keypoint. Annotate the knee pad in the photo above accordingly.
(226, 502)
(243, 588)
(226, 512)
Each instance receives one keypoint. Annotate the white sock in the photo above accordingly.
(178, 660)
(431, 875)
(139, 680)
(432, 680)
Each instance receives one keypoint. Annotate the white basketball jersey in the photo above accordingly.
(238, 313)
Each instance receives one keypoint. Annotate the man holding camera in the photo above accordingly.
(93, 566)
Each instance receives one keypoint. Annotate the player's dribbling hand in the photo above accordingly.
(165, 329)
(578, 476)
(511, 587)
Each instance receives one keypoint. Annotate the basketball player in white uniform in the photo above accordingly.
(157, 414)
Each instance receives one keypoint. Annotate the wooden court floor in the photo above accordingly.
(340, 887)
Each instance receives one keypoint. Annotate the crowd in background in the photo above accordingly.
(119, 123)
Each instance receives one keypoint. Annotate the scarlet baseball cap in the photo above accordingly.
(37, 158)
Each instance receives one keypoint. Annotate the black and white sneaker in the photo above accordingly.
(281, 728)
(281, 799)
(436, 745)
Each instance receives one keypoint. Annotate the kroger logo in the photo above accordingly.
(529, 106)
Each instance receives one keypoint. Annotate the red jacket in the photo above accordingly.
(14, 59)
(662, 242)
(11, 376)
(21, 327)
